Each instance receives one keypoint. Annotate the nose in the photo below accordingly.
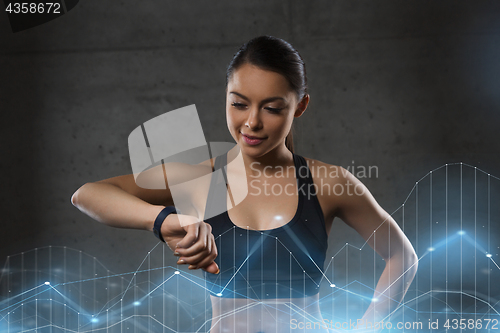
(253, 120)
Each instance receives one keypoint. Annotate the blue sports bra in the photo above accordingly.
(286, 262)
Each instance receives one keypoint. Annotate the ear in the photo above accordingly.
(302, 106)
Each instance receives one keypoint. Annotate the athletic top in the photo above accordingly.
(285, 262)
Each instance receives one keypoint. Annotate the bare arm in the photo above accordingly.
(382, 233)
(119, 202)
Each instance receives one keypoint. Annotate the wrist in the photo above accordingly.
(157, 227)
(152, 215)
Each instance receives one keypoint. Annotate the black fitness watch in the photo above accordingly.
(159, 221)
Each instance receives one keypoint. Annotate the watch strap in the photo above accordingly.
(159, 221)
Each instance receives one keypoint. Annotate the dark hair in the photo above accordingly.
(273, 54)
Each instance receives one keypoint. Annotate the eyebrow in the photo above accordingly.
(264, 101)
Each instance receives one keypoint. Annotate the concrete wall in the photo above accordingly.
(403, 85)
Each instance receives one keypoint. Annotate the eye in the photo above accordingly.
(274, 110)
(238, 105)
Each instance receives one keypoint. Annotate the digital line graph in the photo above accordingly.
(451, 216)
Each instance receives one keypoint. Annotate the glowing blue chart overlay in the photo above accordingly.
(451, 216)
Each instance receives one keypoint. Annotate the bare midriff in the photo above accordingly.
(242, 315)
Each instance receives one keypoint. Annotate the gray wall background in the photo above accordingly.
(403, 85)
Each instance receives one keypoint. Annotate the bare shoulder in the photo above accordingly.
(324, 173)
(337, 187)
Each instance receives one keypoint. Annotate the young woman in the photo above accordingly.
(263, 257)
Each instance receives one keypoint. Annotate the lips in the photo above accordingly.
(252, 140)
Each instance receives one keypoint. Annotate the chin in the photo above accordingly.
(253, 151)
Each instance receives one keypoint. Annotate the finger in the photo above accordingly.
(203, 257)
(190, 237)
(196, 258)
(214, 246)
(212, 268)
(204, 262)
(200, 246)
(209, 241)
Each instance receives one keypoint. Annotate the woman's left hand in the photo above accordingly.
(197, 248)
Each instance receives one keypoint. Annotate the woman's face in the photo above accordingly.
(260, 107)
